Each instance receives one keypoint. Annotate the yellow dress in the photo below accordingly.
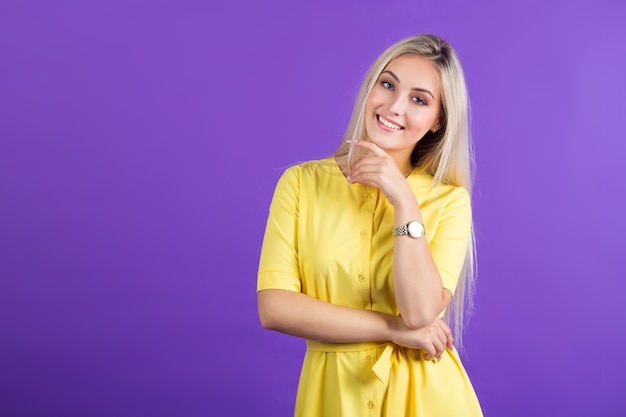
(332, 241)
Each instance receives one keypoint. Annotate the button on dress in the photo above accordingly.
(332, 240)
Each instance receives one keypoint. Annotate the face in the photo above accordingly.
(403, 105)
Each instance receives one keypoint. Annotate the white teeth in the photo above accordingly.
(389, 124)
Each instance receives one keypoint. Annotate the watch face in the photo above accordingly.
(416, 229)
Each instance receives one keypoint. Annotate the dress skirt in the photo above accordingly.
(369, 379)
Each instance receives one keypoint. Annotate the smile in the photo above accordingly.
(388, 123)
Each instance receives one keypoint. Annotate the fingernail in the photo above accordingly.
(348, 178)
(352, 140)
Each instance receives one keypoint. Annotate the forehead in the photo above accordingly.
(414, 71)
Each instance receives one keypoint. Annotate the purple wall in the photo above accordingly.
(140, 143)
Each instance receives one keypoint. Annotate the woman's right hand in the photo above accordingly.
(433, 338)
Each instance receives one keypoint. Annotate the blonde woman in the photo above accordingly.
(368, 254)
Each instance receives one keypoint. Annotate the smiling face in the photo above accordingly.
(403, 105)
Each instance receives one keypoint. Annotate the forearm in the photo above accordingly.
(419, 292)
(304, 316)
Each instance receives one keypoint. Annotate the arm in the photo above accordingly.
(304, 316)
(419, 291)
(300, 315)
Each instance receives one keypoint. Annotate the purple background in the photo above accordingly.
(140, 145)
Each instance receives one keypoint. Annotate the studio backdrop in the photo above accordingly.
(140, 143)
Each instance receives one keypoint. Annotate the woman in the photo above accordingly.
(364, 251)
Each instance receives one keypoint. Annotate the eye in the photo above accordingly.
(387, 85)
(419, 100)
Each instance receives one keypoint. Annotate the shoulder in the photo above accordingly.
(312, 169)
(306, 173)
(443, 196)
(426, 184)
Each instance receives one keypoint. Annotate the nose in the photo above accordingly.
(397, 105)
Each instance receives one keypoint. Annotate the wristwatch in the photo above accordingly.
(412, 229)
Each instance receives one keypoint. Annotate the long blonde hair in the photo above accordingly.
(445, 154)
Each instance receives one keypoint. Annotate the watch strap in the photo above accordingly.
(405, 230)
(400, 230)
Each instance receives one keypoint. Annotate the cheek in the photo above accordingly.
(422, 121)
(368, 105)
(416, 121)
(374, 100)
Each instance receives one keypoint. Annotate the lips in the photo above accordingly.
(388, 123)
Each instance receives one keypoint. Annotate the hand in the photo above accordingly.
(376, 168)
(433, 338)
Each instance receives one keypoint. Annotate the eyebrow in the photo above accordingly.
(395, 77)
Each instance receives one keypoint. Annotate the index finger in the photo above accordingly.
(367, 145)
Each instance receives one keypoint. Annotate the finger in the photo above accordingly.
(366, 171)
(443, 340)
(448, 333)
(368, 164)
(440, 340)
(368, 146)
(439, 347)
(446, 337)
(430, 352)
(379, 166)
(449, 338)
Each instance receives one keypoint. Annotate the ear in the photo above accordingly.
(437, 126)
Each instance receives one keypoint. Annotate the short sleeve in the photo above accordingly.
(278, 264)
(449, 245)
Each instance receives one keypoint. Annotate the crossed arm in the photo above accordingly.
(304, 316)
(418, 288)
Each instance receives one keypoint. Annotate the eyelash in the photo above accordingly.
(389, 86)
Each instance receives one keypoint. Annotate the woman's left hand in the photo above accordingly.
(376, 168)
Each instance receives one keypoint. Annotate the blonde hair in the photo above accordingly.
(445, 154)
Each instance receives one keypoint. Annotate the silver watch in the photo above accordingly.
(412, 229)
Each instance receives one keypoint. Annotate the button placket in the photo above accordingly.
(367, 199)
